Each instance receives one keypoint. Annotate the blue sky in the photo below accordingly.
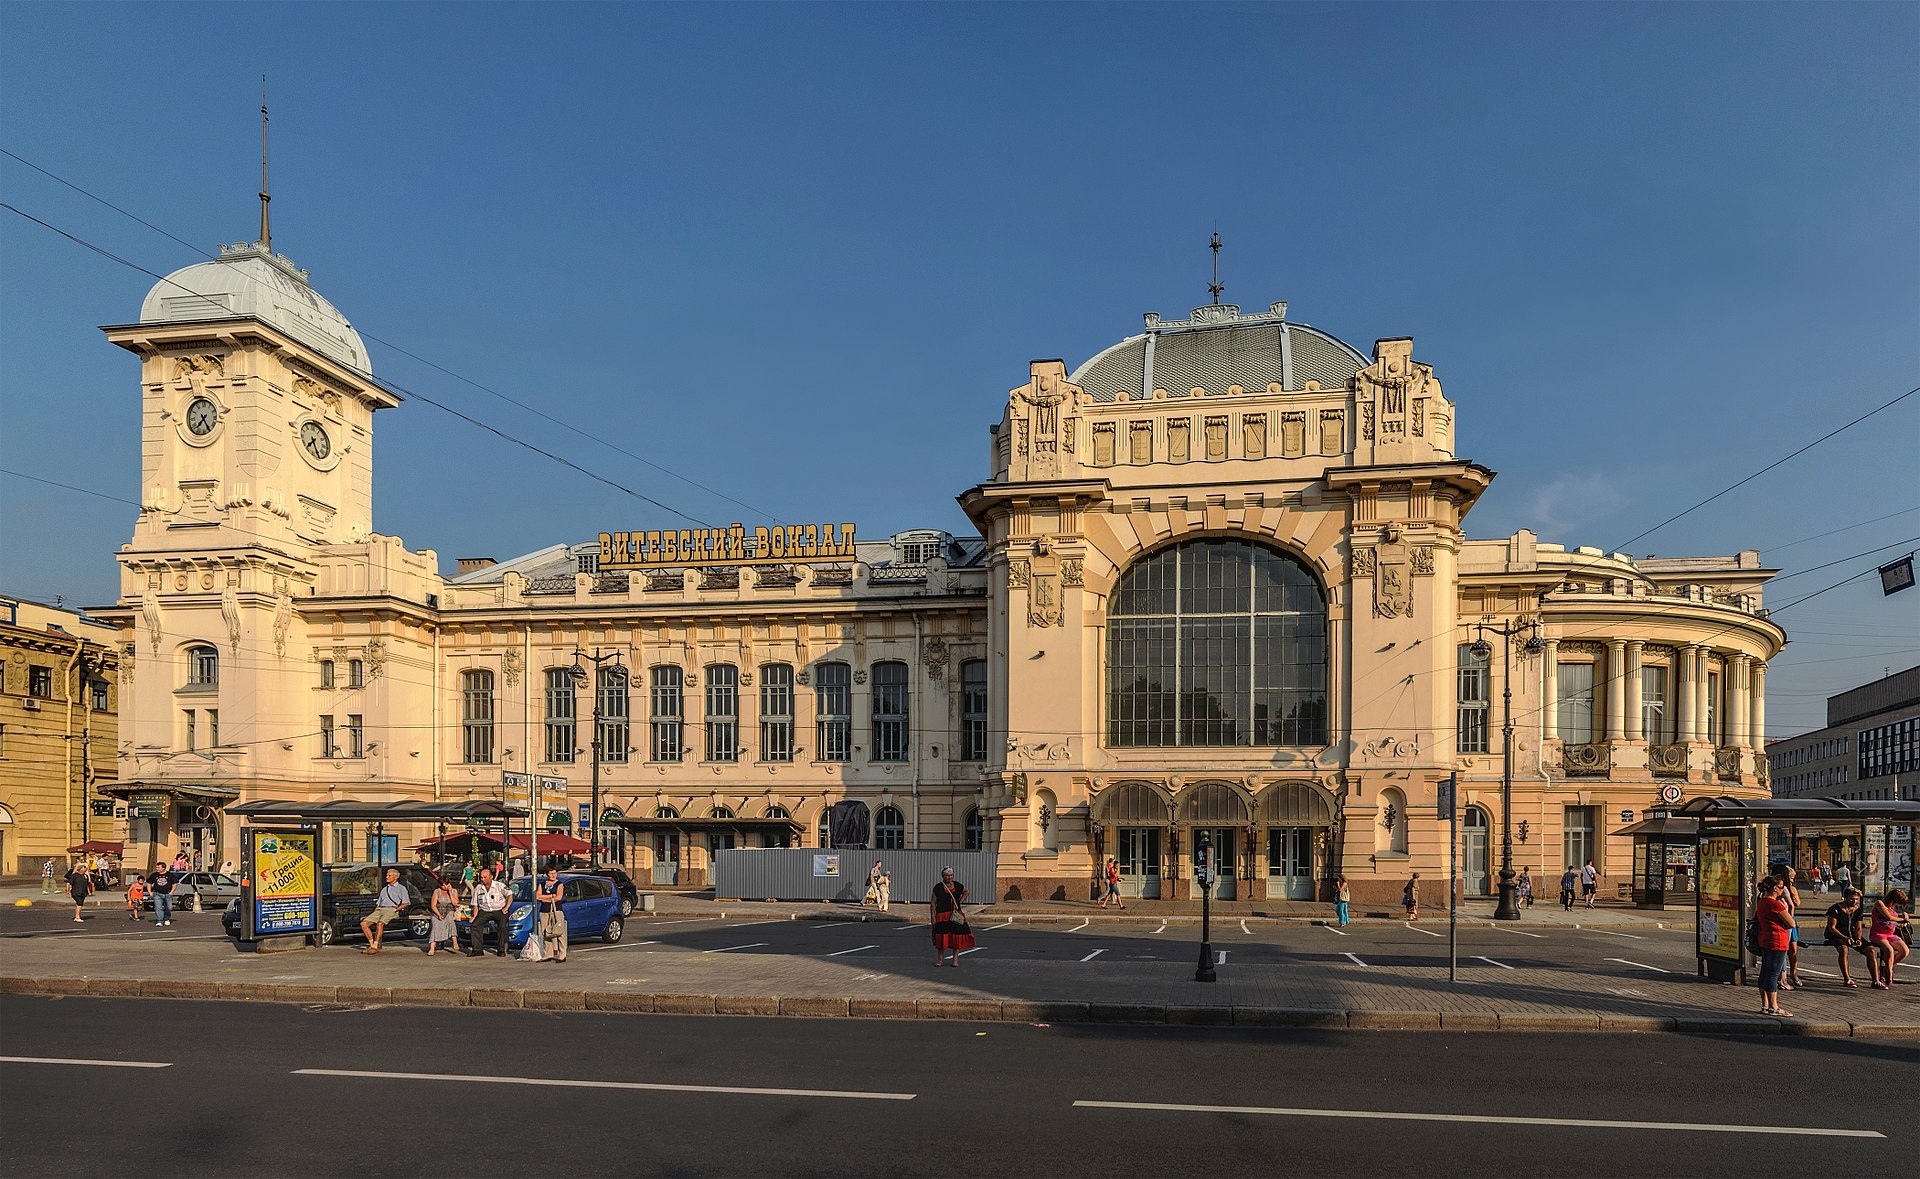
(797, 254)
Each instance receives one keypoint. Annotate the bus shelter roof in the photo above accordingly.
(1725, 810)
(350, 811)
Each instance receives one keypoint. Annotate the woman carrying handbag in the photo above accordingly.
(948, 915)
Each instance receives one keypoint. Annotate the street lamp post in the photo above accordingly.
(1203, 875)
(1509, 908)
(580, 676)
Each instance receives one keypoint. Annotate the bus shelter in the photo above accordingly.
(1665, 855)
(469, 814)
(1741, 839)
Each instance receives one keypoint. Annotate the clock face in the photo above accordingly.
(202, 416)
(313, 436)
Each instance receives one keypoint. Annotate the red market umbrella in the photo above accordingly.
(552, 843)
(98, 847)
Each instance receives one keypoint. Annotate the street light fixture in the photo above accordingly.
(1509, 907)
(1203, 875)
(618, 674)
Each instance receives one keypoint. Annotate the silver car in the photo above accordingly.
(203, 892)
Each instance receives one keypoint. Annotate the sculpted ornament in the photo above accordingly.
(376, 658)
(1043, 607)
(1071, 572)
(282, 616)
(1395, 747)
(1018, 574)
(510, 668)
(1393, 575)
(935, 658)
(150, 614)
(230, 614)
(1423, 559)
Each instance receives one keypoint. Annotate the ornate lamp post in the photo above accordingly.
(619, 675)
(1203, 875)
(1508, 909)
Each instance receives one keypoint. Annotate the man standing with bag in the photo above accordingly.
(490, 901)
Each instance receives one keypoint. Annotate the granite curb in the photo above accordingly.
(968, 1010)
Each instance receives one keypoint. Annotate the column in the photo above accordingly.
(1703, 659)
(1616, 690)
(1550, 690)
(1738, 678)
(1636, 713)
(1684, 673)
(1760, 707)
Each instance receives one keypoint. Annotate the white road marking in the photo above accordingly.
(1641, 965)
(1245, 930)
(1417, 929)
(563, 1084)
(745, 924)
(1356, 960)
(1483, 1119)
(836, 924)
(1628, 991)
(1821, 973)
(1092, 956)
(678, 920)
(1162, 929)
(92, 1063)
(1910, 966)
(1521, 932)
(1079, 927)
(1501, 965)
(1334, 929)
(964, 953)
(1635, 936)
(855, 950)
(728, 949)
(1002, 925)
(621, 946)
(1220, 957)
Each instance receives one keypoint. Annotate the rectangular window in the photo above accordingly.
(1475, 679)
(40, 682)
(192, 741)
(326, 736)
(213, 728)
(891, 736)
(665, 687)
(562, 707)
(723, 712)
(342, 852)
(476, 717)
(833, 712)
(1573, 711)
(1655, 717)
(203, 667)
(973, 710)
(1579, 834)
(356, 737)
(326, 673)
(776, 712)
(615, 715)
(98, 691)
(1713, 709)
(356, 674)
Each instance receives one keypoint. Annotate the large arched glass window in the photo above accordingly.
(889, 828)
(1217, 642)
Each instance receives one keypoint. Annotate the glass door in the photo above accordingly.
(1140, 862)
(1290, 863)
(1474, 857)
(1224, 888)
(666, 857)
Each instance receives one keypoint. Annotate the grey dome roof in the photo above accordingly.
(248, 280)
(1219, 347)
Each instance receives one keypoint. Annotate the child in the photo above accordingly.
(136, 898)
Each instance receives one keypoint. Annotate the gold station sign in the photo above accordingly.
(732, 545)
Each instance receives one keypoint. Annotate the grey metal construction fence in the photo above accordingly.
(840, 874)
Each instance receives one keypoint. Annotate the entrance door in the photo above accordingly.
(1290, 863)
(1140, 862)
(666, 857)
(1474, 859)
(1223, 861)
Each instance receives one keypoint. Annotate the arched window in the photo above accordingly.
(889, 828)
(777, 811)
(721, 812)
(825, 833)
(203, 667)
(976, 830)
(1217, 642)
(665, 812)
(476, 717)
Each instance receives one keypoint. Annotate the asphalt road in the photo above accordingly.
(254, 1089)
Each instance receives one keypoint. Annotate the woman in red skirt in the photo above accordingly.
(948, 914)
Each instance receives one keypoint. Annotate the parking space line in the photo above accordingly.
(81, 1061)
(1641, 965)
(964, 953)
(1417, 929)
(836, 924)
(565, 1084)
(1002, 925)
(1162, 929)
(1244, 929)
(854, 950)
(1079, 927)
(1521, 932)
(745, 924)
(1220, 957)
(729, 949)
(620, 946)
(1356, 960)
(1334, 929)
(1485, 1119)
(1636, 937)
(1092, 956)
(1501, 965)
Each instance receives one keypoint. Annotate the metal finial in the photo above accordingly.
(1214, 287)
(266, 233)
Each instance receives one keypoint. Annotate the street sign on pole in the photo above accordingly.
(1449, 789)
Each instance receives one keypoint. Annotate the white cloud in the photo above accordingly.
(1569, 501)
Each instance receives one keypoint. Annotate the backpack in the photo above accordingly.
(1753, 937)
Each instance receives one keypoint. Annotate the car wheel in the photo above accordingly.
(324, 935)
(626, 906)
(419, 928)
(616, 929)
(190, 903)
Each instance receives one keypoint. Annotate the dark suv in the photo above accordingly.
(349, 892)
(622, 884)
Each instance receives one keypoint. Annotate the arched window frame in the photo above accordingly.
(203, 667)
(889, 829)
(974, 829)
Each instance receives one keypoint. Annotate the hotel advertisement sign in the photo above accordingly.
(279, 892)
(1718, 935)
(781, 544)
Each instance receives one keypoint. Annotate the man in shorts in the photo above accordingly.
(392, 901)
(1589, 882)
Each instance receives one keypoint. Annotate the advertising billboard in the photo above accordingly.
(280, 882)
(1718, 929)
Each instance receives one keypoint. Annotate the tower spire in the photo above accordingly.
(1214, 287)
(266, 233)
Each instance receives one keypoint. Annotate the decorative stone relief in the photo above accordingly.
(1393, 575)
(1216, 440)
(934, 656)
(1333, 433)
(150, 614)
(1586, 761)
(1394, 747)
(1366, 420)
(665, 581)
(1363, 563)
(1423, 559)
(510, 668)
(230, 614)
(860, 675)
(1043, 604)
(803, 677)
(1179, 440)
(1018, 574)
(1103, 444)
(127, 651)
(728, 578)
(376, 658)
(1667, 761)
(1071, 572)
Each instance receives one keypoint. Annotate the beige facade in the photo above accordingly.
(1221, 585)
(58, 733)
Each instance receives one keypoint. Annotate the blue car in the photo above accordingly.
(591, 905)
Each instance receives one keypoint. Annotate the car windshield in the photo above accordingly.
(523, 889)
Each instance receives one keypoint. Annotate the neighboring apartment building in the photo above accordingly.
(59, 737)
(1220, 585)
(1869, 750)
